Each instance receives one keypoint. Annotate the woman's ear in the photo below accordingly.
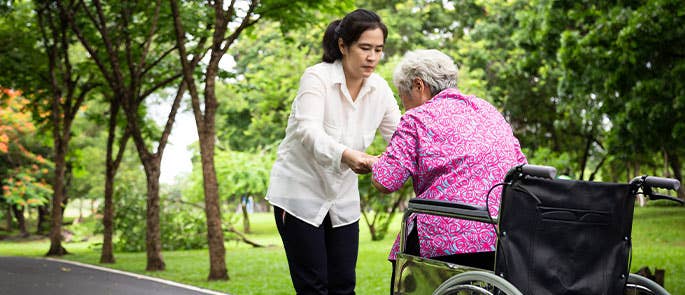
(418, 83)
(341, 46)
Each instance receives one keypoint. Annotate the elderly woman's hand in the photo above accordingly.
(359, 162)
(370, 160)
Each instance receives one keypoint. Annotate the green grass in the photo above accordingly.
(658, 241)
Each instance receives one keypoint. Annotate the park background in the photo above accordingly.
(91, 91)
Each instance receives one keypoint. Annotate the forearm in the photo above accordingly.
(358, 161)
(323, 148)
(379, 186)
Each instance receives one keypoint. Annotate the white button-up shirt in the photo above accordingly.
(308, 179)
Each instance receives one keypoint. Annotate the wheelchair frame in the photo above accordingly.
(418, 275)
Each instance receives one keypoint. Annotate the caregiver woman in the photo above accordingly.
(338, 108)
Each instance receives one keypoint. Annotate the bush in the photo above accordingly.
(183, 226)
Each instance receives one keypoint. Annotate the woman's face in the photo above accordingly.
(418, 94)
(361, 58)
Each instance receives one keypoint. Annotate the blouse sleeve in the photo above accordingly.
(391, 116)
(398, 162)
(308, 110)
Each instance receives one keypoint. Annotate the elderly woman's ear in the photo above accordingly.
(418, 83)
(422, 89)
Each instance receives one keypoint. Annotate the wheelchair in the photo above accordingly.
(554, 236)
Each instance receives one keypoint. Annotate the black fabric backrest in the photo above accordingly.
(565, 237)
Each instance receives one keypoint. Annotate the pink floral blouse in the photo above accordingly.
(455, 148)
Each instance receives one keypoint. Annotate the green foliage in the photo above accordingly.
(27, 186)
(550, 158)
(84, 230)
(294, 14)
(87, 153)
(425, 24)
(21, 55)
(129, 219)
(182, 226)
(628, 59)
(239, 174)
(255, 107)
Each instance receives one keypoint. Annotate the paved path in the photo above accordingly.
(35, 276)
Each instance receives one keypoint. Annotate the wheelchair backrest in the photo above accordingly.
(564, 236)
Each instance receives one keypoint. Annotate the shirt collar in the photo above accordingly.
(338, 77)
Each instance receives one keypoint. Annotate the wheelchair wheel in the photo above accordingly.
(639, 285)
(476, 282)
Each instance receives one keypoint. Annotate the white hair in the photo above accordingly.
(432, 66)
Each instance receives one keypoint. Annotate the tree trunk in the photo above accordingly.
(206, 133)
(64, 106)
(599, 166)
(215, 235)
(205, 121)
(107, 254)
(586, 155)
(636, 170)
(8, 217)
(43, 213)
(21, 221)
(677, 173)
(246, 216)
(667, 163)
(56, 248)
(151, 163)
(112, 165)
(80, 211)
(153, 236)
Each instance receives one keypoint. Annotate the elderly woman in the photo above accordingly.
(455, 147)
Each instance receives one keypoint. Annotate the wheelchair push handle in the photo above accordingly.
(539, 171)
(649, 182)
(662, 182)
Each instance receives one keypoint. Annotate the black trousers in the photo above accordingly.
(321, 259)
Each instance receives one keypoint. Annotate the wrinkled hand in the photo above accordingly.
(370, 160)
(359, 162)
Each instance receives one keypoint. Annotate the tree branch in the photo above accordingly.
(157, 61)
(157, 87)
(111, 52)
(246, 22)
(93, 53)
(187, 68)
(170, 120)
(148, 40)
(243, 238)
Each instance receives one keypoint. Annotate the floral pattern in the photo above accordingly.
(456, 148)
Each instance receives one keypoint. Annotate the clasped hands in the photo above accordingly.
(359, 162)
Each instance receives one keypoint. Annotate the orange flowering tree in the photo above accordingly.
(24, 173)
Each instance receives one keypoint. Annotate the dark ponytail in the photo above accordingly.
(349, 29)
(331, 52)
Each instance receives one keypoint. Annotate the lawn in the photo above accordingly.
(658, 241)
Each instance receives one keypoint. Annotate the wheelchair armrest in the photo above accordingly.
(450, 209)
(441, 203)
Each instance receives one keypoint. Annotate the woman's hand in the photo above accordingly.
(359, 162)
